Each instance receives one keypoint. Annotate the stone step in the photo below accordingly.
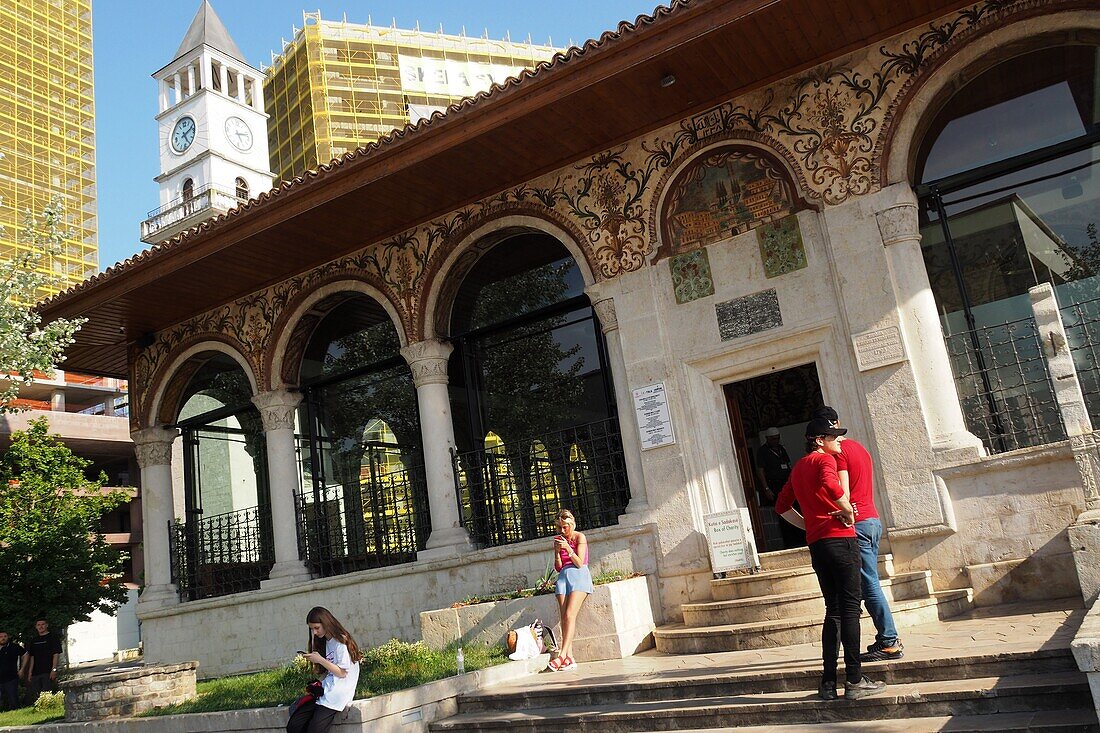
(785, 580)
(1045, 721)
(1059, 691)
(791, 679)
(685, 639)
(806, 602)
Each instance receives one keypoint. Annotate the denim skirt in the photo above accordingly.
(573, 579)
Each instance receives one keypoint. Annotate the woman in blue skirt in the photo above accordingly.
(573, 586)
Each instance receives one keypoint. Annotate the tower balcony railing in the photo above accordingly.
(209, 198)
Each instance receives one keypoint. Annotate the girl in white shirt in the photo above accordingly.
(334, 653)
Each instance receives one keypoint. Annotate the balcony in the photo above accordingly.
(183, 213)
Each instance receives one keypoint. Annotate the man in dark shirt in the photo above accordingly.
(43, 652)
(773, 466)
(11, 656)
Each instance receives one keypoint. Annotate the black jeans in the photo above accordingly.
(836, 562)
(311, 718)
(9, 695)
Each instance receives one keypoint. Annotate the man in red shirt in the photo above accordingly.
(856, 474)
(834, 552)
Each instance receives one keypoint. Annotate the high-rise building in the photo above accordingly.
(47, 129)
(339, 85)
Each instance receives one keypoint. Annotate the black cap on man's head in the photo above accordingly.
(821, 426)
(827, 413)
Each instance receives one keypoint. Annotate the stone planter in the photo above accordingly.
(127, 692)
(615, 622)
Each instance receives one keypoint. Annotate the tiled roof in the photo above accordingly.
(546, 70)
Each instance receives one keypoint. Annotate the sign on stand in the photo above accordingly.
(731, 541)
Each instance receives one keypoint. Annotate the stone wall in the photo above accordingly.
(128, 692)
(262, 629)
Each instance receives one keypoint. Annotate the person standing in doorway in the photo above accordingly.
(40, 667)
(856, 472)
(11, 658)
(773, 467)
(828, 519)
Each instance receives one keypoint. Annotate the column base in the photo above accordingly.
(291, 572)
(158, 596)
(635, 513)
(960, 447)
(1084, 538)
(446, 543)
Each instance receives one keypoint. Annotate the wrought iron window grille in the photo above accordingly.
(1082, 325)
(221, 554)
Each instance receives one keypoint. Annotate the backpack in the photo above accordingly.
(530, 641)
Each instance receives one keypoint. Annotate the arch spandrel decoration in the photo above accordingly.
(160, 392)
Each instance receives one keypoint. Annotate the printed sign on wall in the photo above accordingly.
(654, 421)
(731, 541)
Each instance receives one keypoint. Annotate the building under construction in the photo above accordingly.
(338, 85)
(47, 131)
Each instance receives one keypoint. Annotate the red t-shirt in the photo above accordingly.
(814, 483)
(855, 459)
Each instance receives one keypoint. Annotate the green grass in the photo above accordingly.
(393, 666)
(48, 709)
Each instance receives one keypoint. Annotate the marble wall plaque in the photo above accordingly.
(691, 278)
(781, 248)
(878, 348)
(748, 314)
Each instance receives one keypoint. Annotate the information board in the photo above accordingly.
(654, 421)
(731, 541)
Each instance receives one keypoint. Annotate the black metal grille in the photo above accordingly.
(1082, 324)
(381, 519)
(511, 492)
(222, 554)
(1004, 385)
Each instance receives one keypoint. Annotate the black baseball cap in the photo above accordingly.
(827, 413)
(822, 426)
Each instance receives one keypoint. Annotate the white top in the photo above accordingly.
(339, 691)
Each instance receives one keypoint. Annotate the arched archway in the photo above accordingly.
(529, 368)
(224, 544)
(1007, 172)
(363, 503)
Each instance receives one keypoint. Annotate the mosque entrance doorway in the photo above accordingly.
(768, 416)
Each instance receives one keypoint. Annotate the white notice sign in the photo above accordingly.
(731, 541)
(654, 422)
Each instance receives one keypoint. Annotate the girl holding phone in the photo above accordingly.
(573, 585)
(334, 654)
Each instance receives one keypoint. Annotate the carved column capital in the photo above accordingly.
(428, 361)
(153, 446)
(1086, 452)
(899, 223)
(605, 311)
(277, 408)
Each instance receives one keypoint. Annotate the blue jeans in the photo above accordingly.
(869, 533)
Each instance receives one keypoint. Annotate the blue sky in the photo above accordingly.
(133, 39)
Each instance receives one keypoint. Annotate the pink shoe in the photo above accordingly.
(567, 665)
(555, 664)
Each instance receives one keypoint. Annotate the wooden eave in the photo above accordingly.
(585, 101)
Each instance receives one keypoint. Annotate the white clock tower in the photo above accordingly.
(212, 131)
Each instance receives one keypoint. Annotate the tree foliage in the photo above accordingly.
(26, 344)
(54, 561)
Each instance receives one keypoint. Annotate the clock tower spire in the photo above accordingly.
(212, 129)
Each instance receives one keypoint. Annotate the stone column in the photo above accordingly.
(624, 400)
(223, 76)
(190, 80)
(1063, 375)
(153, 447)
(177, 88)
(277, 410)
(920, 325)
(428, 360)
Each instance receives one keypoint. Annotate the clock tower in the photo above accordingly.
(212, 130)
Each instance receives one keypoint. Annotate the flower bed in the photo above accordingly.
(615, 622)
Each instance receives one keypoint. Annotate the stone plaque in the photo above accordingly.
(880, 348)
(691, 278)
(748, 314)
(654, 421)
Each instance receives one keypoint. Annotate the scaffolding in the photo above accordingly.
(47, 130)
(339, 85)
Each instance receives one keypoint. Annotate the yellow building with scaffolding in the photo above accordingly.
(339, 85)
(47, 130)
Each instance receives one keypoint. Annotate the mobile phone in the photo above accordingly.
(301, 652)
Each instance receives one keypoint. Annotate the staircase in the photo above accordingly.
(782, 605)
(1028, 691)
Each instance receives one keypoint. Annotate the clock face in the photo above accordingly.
(183, 134)
(238, 134)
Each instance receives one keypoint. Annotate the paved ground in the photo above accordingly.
(993, 630)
